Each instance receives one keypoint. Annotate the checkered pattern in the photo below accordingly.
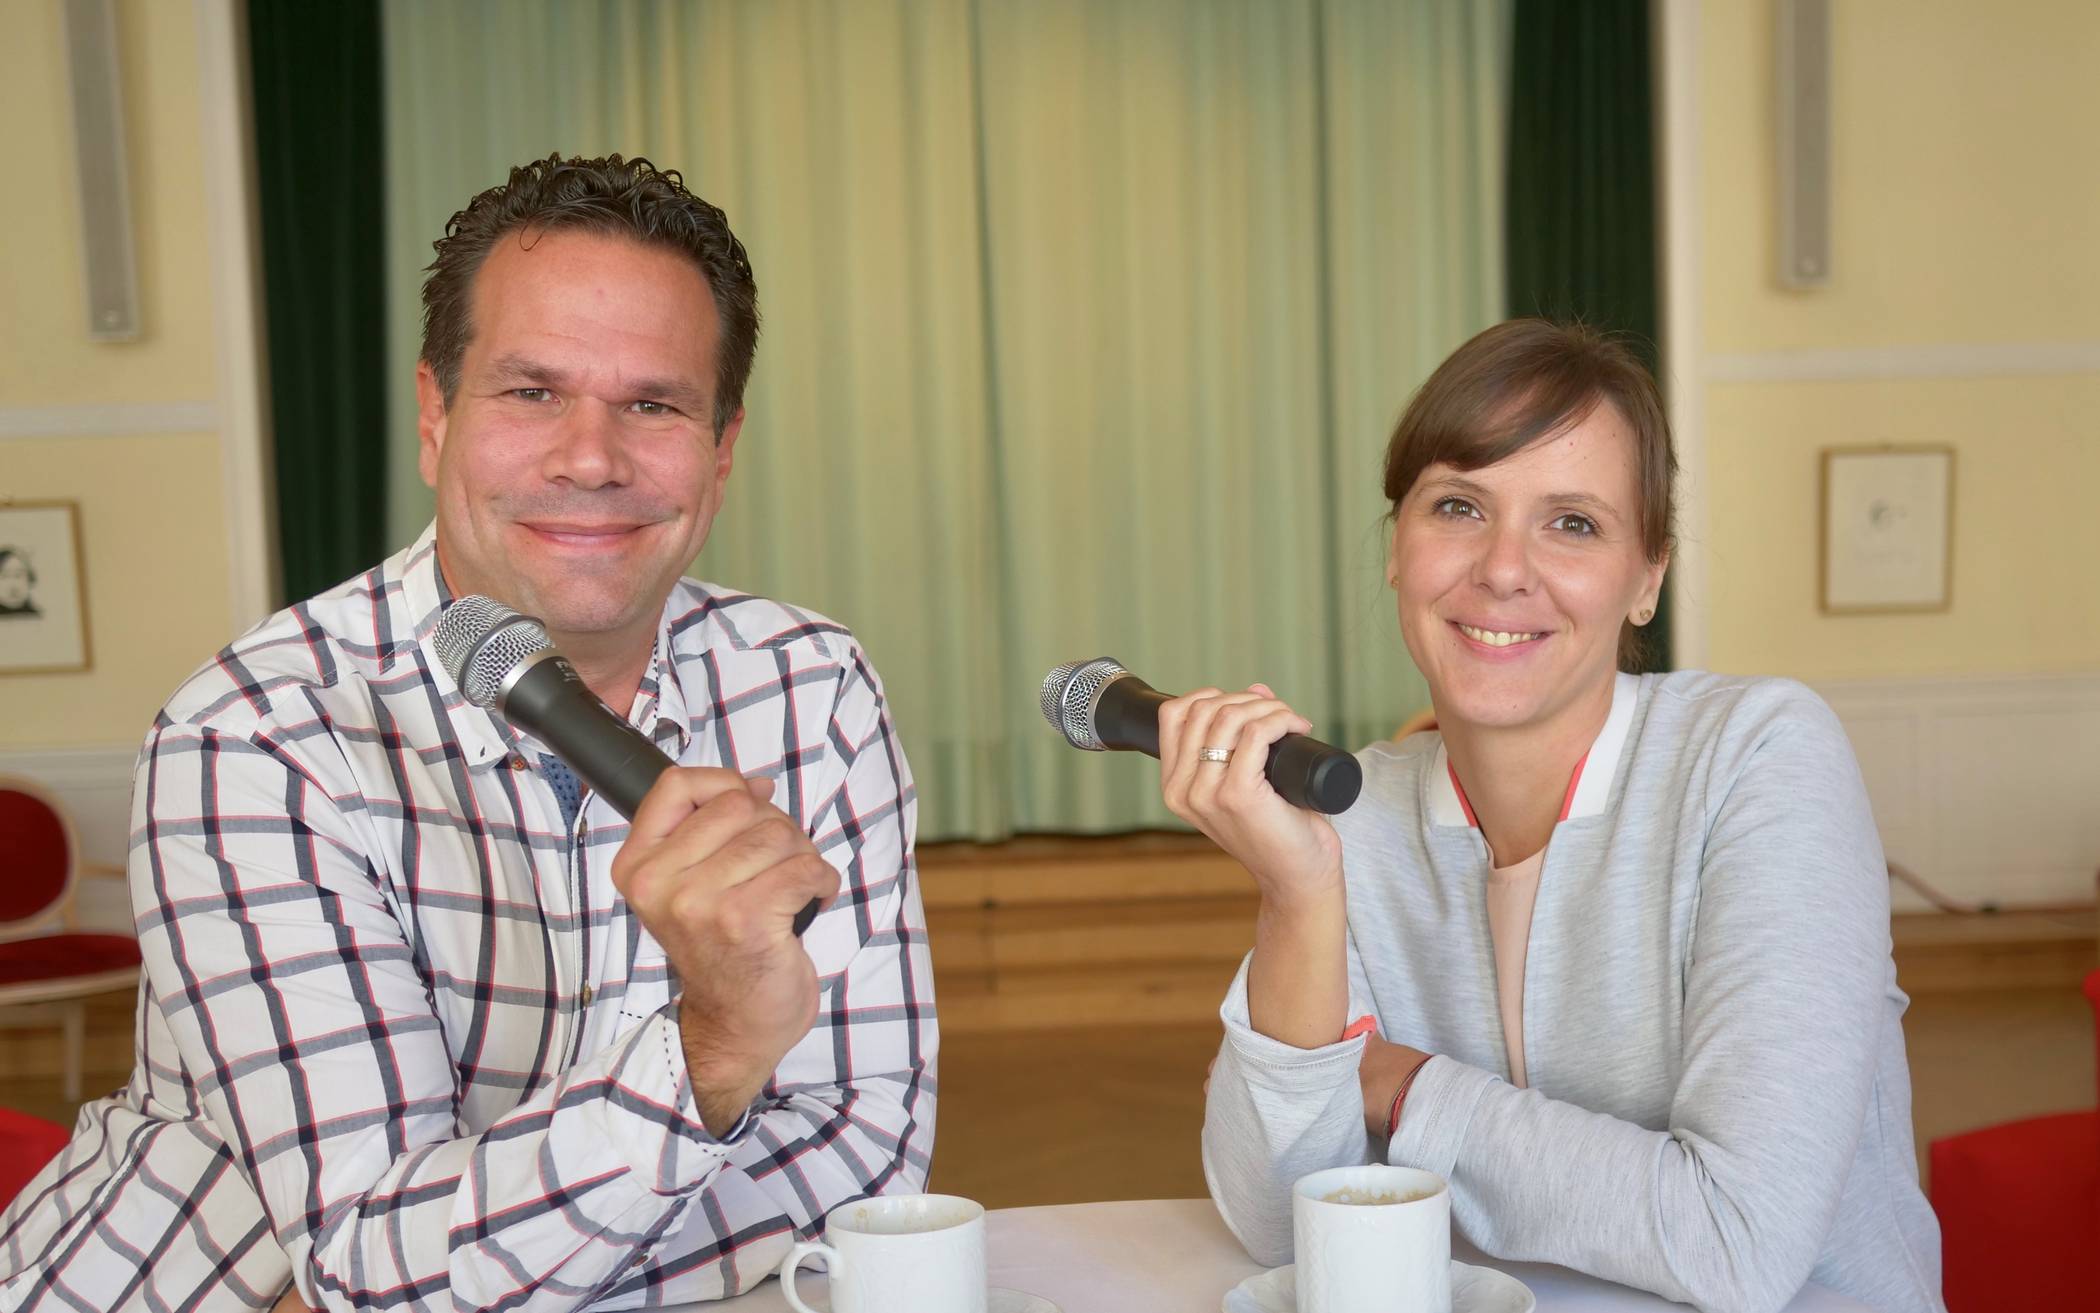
(399, 1036)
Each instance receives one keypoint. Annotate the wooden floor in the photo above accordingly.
(1113, 1112)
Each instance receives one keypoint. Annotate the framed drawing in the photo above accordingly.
(43, 588)
(1888, 529)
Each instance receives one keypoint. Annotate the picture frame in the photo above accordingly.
(43, 589)
(1887, 531)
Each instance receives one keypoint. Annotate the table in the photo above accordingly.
(1175, 1256)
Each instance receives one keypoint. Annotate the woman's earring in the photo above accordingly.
(1643, 616)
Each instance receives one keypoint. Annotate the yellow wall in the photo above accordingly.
(152, 510)
(1966, 211)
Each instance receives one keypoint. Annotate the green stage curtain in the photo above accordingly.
(321, 180)
(1582, 198)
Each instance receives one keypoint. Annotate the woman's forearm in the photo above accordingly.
(1298, 980)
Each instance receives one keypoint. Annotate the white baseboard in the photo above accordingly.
(1988, 787)
(93, 784)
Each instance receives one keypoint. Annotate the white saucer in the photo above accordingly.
(1473, 1290)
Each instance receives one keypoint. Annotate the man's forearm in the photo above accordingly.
(724, 1084)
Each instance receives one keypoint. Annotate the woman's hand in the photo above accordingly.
(1385, 1066)
(1293, 854)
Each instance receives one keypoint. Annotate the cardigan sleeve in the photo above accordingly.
(1275, 1112)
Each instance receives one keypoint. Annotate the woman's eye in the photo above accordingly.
(1576, 524)
(1456, 506)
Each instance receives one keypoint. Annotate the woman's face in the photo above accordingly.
(1514, 579)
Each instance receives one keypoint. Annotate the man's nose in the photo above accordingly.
(589, 448)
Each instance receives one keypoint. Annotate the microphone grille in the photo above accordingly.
(1069, 691)
(480, 640)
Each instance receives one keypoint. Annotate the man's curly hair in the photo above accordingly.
(610, 196)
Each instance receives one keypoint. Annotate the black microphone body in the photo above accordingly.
(1124, 714)
(545, 697)
(549, 700)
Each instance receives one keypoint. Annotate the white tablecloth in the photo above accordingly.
(1175, 1256)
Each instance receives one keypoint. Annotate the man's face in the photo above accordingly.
(576, 467)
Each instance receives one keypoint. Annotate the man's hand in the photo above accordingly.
(717, 873)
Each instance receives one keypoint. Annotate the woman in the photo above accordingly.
(1617, 946)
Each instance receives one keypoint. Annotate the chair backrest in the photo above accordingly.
(37, 857)
(2092, 996)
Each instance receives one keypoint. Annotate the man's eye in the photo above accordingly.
(1456, 506)
(651, 408)
(531, 394)
(1576, 524)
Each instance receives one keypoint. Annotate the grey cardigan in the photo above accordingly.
(1719, 1108)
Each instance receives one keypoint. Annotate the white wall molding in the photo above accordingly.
(1928, 360)
(1985, 785)
(124, 421)
(236, 275)
(1683, 365)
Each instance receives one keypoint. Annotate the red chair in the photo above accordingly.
(2019, 1209)
(26, 1144)
(48, 966)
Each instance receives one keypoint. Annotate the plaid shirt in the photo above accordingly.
(398, 1034)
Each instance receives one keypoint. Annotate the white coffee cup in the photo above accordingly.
(1372, 1239)
(918, 1252)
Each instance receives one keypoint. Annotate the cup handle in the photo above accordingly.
(797, 1256)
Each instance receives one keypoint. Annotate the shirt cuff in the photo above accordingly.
(656, 1119)
(1271, 1063)
(1438, 1114)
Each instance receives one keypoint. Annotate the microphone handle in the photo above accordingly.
(607, 753)
(1304, 771)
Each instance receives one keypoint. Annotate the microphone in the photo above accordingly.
(1098, 705)
(505, 663)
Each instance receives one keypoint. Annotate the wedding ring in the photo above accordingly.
(1219, 755)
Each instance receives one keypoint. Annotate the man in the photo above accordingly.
(17, 584)
(424, 1023)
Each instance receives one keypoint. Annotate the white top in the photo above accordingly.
(1511, 893)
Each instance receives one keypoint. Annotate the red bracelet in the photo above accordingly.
(1392, 1118)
